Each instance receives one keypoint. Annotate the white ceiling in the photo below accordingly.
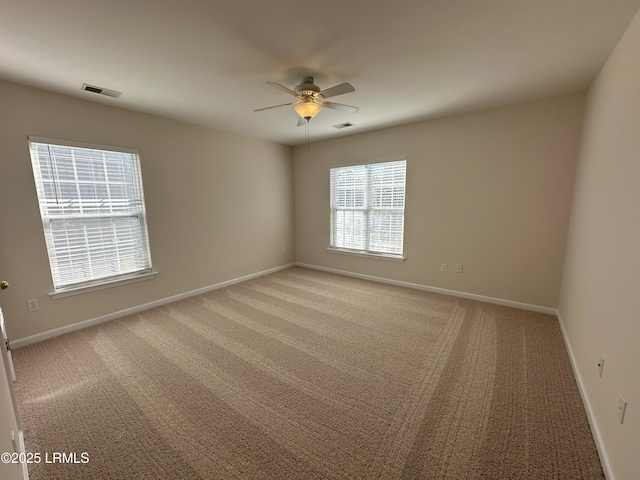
(207, 61)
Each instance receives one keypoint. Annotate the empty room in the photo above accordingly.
(336, 240)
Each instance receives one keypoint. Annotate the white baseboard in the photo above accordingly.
(595, 431)
(444, 291)
(39, 337)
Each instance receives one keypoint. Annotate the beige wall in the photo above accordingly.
(491, 190)
(219, 205)
(600, 297)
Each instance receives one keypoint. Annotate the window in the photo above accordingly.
(367, 208)
(93, 212)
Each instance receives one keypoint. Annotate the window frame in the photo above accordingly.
(142, 269)
(367, 208)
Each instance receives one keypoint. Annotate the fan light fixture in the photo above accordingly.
(308, 108)
(309, 99)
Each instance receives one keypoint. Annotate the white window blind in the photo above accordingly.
(92, 206)
(367, 207)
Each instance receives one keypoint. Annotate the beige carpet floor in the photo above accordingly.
(303, 374)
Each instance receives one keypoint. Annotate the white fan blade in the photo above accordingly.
(275, 106)
(338, 90)
(282, 87)
(340, 107)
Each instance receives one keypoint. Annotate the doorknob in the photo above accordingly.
(4, 285)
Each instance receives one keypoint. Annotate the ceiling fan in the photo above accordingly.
(310, 99)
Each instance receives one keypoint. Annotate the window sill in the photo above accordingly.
(360, 253)
(101, 286)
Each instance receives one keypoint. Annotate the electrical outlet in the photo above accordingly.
(459, 268)
(443, 267)
(622, 406)
(32, 305)
(600, 365)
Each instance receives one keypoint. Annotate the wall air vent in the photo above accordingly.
(343, 125)
(101, 91)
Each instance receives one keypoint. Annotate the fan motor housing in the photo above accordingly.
(307, 88)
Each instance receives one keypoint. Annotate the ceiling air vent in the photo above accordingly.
(343, 125)
(101, 91)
